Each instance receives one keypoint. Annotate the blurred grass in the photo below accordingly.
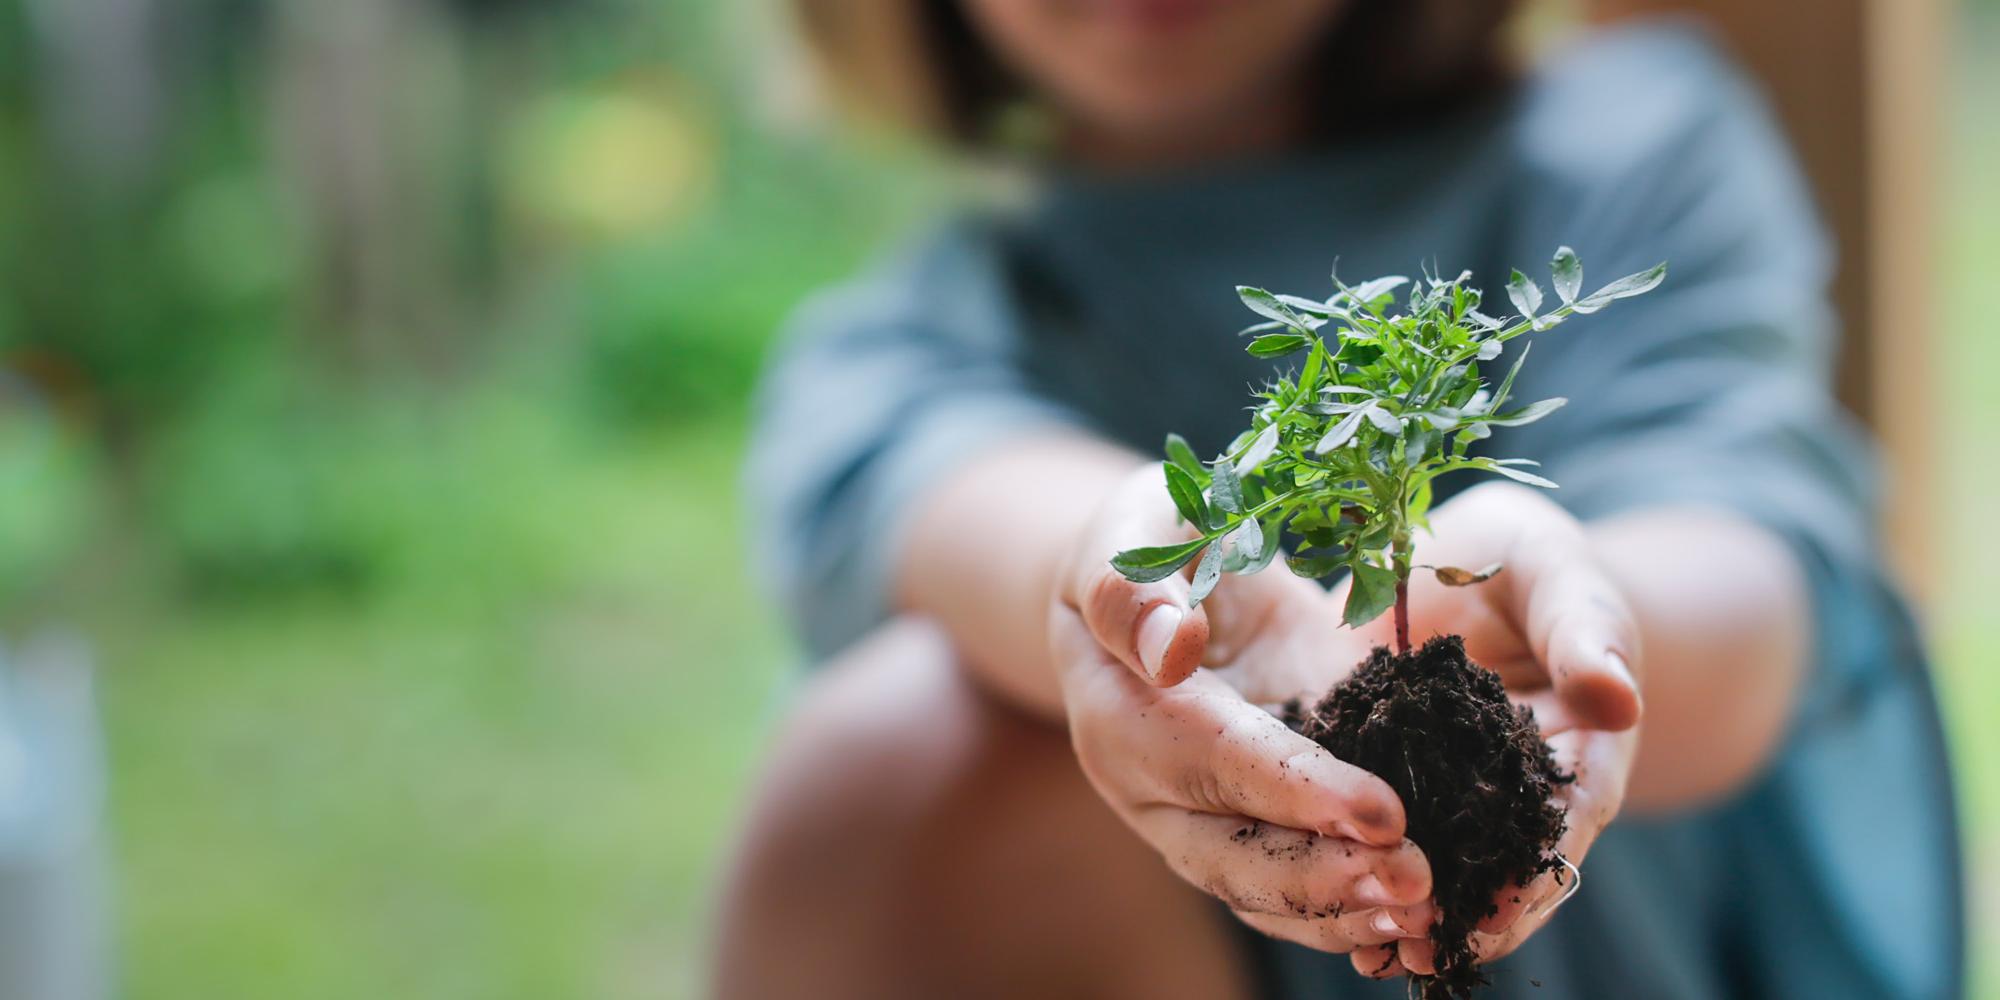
(1966, 644)
(496, 755)
(505, 776)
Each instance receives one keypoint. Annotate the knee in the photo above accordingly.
(868, 772)
(874, 741)
(912, 837)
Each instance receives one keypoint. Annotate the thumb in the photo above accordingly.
(1149, 627)
(1584, 634)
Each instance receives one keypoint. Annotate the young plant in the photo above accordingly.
(1343, 451)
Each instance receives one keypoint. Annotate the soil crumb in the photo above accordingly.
(1474, 774)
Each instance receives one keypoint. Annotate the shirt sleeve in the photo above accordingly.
(1711, 390)
(878, 389)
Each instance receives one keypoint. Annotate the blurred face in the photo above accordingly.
(1155, 72)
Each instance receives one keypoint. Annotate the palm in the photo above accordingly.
(1276, 637)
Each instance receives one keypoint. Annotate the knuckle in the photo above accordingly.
(1332, 937)
(1339, 863)
(1107, 596)
(1225, 750)
(1231, 769)
(1202, 788)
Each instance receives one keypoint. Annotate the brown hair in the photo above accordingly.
(920, 63)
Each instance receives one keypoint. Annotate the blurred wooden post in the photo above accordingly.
(1858, 85)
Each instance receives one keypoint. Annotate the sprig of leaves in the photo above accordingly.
(1342, 451)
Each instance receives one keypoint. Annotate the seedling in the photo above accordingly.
(1343, 451)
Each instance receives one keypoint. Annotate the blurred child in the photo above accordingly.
(1018, 773)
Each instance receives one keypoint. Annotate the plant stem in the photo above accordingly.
(1402, 616)
(1401, 562)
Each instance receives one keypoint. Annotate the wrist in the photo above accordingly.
(985, 548)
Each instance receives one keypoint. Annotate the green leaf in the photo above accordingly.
(1250, 539)
(1567, 272)
(1624, 288)
(1157, 562)
(1526, 295)
(1420, 505)
(1304, 305)
(1507, 384)
(1374, 536)
(1187, 496)
(1373, 592)
(1528, 414)
(1315, 363)
(1341, 433)
(1277, 345)
(1267, 546)
(1315, 567)
(1423, 437)
(1517, 475)
(1370, 292)
(1356, 353)
(1253, 493)
(1265, 444)
(1206, 573)
(1245, 546)
(1383, 420)
(1265, 304)
(1226, 490)
(1181, 454)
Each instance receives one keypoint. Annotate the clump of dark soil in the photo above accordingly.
(1474, 774)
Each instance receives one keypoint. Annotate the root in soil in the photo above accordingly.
(1476, 779)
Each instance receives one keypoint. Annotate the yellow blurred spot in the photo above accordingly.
(609, 163)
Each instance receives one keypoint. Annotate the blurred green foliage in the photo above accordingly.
(374, 411)
(45, 478)
(261, 325)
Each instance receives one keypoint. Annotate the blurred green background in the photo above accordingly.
(372, 380)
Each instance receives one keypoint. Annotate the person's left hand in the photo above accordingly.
(1562, 638)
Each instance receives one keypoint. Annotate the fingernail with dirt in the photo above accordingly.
(1385, 924)
(1156, 636)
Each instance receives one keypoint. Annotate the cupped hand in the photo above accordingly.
(1299, 844)
(1556, 629)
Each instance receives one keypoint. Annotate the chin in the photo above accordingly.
(1161, 116)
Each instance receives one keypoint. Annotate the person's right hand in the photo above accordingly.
(1299, 844)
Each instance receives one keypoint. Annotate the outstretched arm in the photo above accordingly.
(985, 550)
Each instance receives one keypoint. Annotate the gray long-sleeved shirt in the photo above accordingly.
(1110, 306)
